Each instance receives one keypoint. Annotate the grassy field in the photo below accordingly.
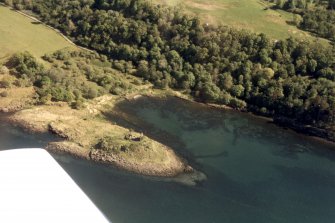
(244, 14)
(19, 33)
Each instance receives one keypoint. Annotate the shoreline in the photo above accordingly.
(77, 150)
(145, 157)
(72, 149)
(307, 131)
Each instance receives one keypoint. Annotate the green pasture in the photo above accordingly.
(19, 33)
(253, 15)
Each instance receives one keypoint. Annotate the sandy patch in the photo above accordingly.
(206, 6)
(16, 99)
(275, 18)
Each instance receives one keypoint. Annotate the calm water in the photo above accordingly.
(256, 171)
(11, 138)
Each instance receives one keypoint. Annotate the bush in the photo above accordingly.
(4, 70)
(48, 58)
(78, 104)
(5, 83)
(23, 82)
(92, 93)
(116, 91)
(136, 82)
(4, 94)
(25, 64)
(61, 55)
(238, 104)
(108, 144)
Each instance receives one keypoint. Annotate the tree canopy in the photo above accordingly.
(290, 78)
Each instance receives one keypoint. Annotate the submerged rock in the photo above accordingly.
(191, 178)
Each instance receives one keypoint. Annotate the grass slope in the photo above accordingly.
(244, 14)
(18, 33)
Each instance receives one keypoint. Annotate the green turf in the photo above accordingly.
(244, 14)
(18, 33)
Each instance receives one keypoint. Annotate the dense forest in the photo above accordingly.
(316, 16)
(289, 78)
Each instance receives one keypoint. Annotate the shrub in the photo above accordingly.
(4, 94)
(4, 70)
(25, 64)
(61, 55)
(78, 104)
(238, 104)
(48, 58)
(5, 83)
(23, 82)
(92, 93)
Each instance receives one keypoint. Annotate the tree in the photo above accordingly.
(226, 81)
(210, 92)
(280, 3)
(237, 90)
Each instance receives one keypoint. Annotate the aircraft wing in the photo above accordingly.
(35, 188)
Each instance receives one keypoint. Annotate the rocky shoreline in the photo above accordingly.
(81, 136)
(150, 170)
(189, 177)
(69, 148)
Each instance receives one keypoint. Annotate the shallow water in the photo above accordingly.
(256, 171)
(11, 137)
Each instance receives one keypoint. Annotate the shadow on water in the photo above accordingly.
(125, 197)
(13, 137)
(221, 154)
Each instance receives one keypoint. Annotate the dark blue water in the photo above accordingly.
(11, 137)
(256, 171)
